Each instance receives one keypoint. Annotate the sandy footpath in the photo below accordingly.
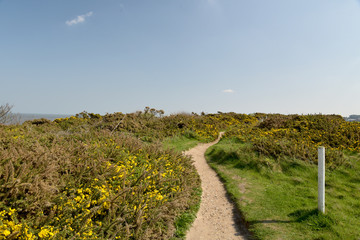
(217, 218)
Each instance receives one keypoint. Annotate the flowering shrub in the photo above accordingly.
(106, 177)
(149, 126)
(299, 136)
(85, 183)
(274, 135)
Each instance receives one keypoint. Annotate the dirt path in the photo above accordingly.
(217, 217)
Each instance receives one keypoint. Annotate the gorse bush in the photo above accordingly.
(87, 184)
(106, 177)
(299, 136)
(149, 125)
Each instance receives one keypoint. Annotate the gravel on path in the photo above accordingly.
(217, 217)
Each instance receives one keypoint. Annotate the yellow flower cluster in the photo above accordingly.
(9, 226)
(136, 185)
(67, 119)
(205, 130)
(299, 136)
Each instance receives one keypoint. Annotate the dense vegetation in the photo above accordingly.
(115, 176)
(299, 136)
(97, 177)
(268, 164)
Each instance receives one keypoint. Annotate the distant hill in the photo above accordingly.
(353, 118)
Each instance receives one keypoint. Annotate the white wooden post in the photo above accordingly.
(321, 179)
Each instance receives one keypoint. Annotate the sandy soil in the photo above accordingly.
(217, 217)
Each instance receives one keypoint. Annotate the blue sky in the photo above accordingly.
(102, 56)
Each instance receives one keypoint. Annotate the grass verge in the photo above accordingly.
(278, 197)
(184, 221)
(180, 143)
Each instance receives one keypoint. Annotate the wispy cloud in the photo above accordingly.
(228, 91)
(79, 19)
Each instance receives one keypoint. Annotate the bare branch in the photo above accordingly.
(6, 116)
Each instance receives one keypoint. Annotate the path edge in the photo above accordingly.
(242, 222)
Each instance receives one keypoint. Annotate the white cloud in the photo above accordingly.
(228, 91)
(78, 19)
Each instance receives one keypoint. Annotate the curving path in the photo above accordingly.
(217, 217)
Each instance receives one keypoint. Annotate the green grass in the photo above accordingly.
(185, 220)
(180, 143)
(278, 197)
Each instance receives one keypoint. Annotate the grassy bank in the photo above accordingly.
(183, 222)
(180, 143)
(278, 197)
